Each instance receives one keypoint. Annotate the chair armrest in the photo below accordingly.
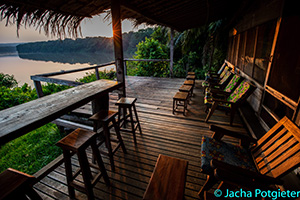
(222, 100)
(230, 173)
(219, 132)
(218, 91)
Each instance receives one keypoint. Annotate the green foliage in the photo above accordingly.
(15, 96)
(91, 76)
(7, 80)
(103, 45)
(151, 49)
(32, 151)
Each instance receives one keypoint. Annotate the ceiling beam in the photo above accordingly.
(149, 17)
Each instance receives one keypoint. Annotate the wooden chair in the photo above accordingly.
(233, 101)
(218, 82)
(17, 185)
(215, 77)
(221, 91)
(212, 74)
(257, 166)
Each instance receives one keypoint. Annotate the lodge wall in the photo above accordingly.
(264, 48)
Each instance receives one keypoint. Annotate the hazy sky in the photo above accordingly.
(89, 27)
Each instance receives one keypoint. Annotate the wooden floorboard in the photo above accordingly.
(162, 133)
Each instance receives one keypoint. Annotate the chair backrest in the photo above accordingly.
(236, 79)
(226, 69)
(225, 79)
(278, 151)
(222, 68)
(242, 92)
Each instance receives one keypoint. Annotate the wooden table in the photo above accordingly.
(21, 119)
(167, 180)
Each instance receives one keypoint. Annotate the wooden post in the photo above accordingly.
(97, 73)
(171, 52)
(118, 47)
(38, 88)
(100, 103)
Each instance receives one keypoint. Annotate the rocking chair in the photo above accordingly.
(261, 166)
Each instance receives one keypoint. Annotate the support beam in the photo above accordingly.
(171, 52)
(118, 46)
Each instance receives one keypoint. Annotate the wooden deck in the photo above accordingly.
(163, 133)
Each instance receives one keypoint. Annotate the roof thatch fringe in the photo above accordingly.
(51, 22)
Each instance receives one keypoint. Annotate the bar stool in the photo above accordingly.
(103, 119)
(188, 89)
(125, 103)
(192, 83)
(17, 185)
(76, 143)
(177, 99)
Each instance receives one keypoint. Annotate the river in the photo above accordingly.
(23, 66)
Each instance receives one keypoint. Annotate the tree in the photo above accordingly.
(151, 49)
(7, 80)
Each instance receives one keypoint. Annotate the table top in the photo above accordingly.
(21, 119)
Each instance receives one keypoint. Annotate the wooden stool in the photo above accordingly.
(179, 97)
(190, 77)
(17, 185)
(102, 119)
(190, 82)
(77, 142)
(188, 89)
(125, 103)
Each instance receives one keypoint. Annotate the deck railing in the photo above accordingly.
(37, 79)
(46, 77)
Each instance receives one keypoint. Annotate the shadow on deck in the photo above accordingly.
(163, 133)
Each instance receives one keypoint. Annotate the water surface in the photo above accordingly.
(24, 66)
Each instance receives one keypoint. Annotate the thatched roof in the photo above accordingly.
(58, 17)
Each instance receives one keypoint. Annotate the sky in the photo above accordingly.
(93, 27)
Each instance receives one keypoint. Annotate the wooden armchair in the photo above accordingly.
(218, 83)
(257, 166)
(230, 101)
(223, 91)
(215, 77)
(212, 74)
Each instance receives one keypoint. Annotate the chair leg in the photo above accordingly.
(69, 174)
(119, 135)
(212, 110)
(100, 163)
(137, 119)
(210, 182)
(108, 146)
(232, 113)
(86, 174)
(173, 106)
(119, 116)
(132, 125)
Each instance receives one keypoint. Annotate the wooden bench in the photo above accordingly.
(167, 180)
